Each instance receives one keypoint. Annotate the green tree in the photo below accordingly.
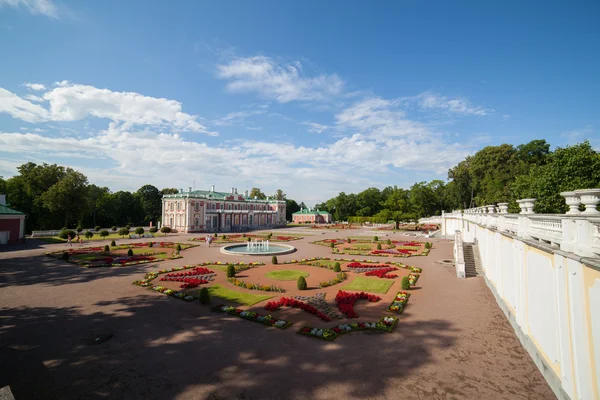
(103, 233)
(279, 195)
(256, 192)
(68, 196)
(123, 231)
(290, 207)
(139, 230)
(165, 230)
(150, 200)
(169, 191)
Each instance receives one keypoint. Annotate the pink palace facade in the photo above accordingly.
(211, 211)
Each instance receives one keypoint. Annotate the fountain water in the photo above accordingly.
(257, 247)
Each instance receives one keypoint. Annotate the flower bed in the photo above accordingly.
(318, 301)
(252, 316)
(341, 277)
(345, 301)
(413, 278)
(255, 286)
(288, 302)
(382, 273)
(192, 278)
(399, 303)
(385, 324)
(243, 237)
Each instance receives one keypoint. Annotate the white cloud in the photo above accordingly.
(432, 100)
(316, 128)
(284, 83)
(238, 117)
(71, 102)
(45, 7)
(578, 135)
(34, 86)
(32, 97)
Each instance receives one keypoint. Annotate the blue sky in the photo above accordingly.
(311, 97)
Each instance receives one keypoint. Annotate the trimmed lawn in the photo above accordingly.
(286, 274)
(362, 246)
(372, 285)
(325, 263)
(247, 299)
(112, 236)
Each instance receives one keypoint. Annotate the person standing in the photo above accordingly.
(69, 241)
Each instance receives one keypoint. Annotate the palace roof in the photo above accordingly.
(308, 211)
(4, 210)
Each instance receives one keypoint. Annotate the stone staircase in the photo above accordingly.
(472, 260)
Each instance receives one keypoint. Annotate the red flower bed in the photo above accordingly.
(189, 277)
(288, 302)
(393, 251)
(382, 273)
(407, 243)
(373, 266)
(136, 258)
(345, 301)
(106, 260)
(192, 272)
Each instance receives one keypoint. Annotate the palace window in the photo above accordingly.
(171, 206)
(235, 207)
(229, 206)
(197, 208)
(214, 205)
(178, 206)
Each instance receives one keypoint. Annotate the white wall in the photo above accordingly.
(551, 298)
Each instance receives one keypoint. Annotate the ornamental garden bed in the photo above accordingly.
(374, 247)
(117, 256)
(258, 292)
(245, 237)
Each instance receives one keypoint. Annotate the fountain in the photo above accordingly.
(257, 248)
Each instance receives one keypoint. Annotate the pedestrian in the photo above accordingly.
(77, 238)
(210, 239)
(69, 241)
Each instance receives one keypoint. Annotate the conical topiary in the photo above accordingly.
(113, 243)
(378, 246)
(230, 271)
(106, 248)
(130, 252)
(337, 267)
(302, 283)
(274, 260)
(204, 296)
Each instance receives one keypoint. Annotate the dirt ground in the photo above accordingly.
(452, 342)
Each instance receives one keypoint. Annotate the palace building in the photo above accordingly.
(211, 211)
(309, 216)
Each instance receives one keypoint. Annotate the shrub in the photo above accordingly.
(405, 283)
(243, 235)
(249, 239)
(389, 242)
(106, 248)
(97, 228)
(153, 229)
(270, 235)
(274, 260)
(113, 243)
(337, 267)
(230, 271)
(128, 227)
(123, 232)
(151, 244)
(89, 234)
(215, 235)
(139, 230)
(130, 252)
(378, 246)
(178, 247)
(65, 256)
(224, 237)
(165, 230)
(204, 296)
(332, 245)
(113, 228)
(66, 233)
(104, 233)
(79, 229)
(64, 228)
(349, 240)
(427, 245)
(375, 238)
(301, 283)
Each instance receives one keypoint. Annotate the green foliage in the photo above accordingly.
(106, 248)
(224, 237)
(139, 230)
(123, 231)
(349, 240)
(215, 235)
(104, 233)
(64, 234)
(79, 229)
(337, 267)
(256, 192)
(375, 238)
(332, 245)
(65, 256)
(301, 284)
(89, 234)
(113, 243)
(153, 229)
(165, 230)
(151, 244)
(389, 242)
(378, 246)
(249, 239)
(274, 260)
(230, 271)
(150, 199)
(204, 296)
(113, 228)
(427, 245)
(97, 228)
(178, 247)
(405, 284)
(130, 252)
(128, 227)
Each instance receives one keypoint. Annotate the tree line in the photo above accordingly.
(54, 196)
(494, 174)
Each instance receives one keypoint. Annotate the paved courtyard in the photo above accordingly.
(452, 341)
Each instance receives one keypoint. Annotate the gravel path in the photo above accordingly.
(453, 342)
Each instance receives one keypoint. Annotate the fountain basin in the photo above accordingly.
(270, 250)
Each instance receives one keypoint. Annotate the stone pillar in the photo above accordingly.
(503, 208)
(526, 206)
(590, 198)
(491, 209)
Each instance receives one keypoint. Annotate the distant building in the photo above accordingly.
(209, 211)
(12, 223)
(308, 215)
